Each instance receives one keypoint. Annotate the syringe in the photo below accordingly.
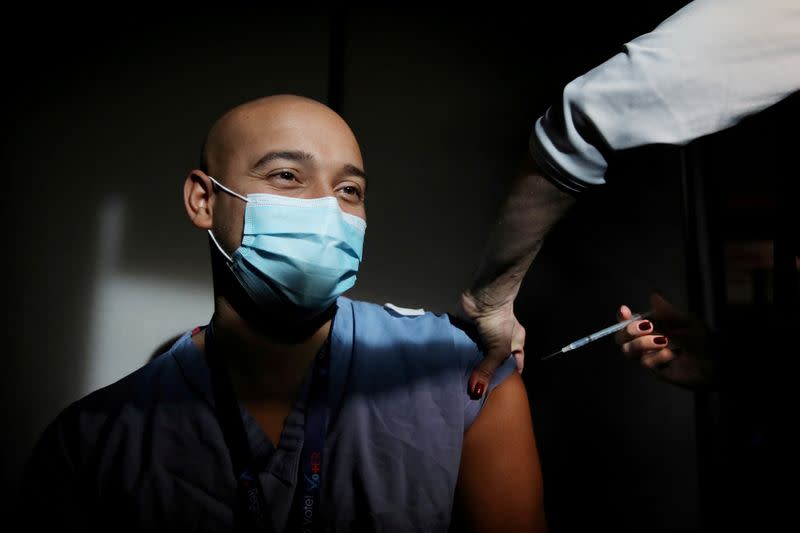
(602, 333)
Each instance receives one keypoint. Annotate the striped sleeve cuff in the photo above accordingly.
(570, 163)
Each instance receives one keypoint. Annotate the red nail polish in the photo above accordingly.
(478, 389)
(644, 326)
(660, 340)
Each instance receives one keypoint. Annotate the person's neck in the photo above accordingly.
(262, 368)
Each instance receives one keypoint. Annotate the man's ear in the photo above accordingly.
(197, 192)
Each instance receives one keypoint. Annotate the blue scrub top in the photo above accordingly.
(147, 452)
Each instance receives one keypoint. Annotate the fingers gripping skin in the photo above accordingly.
(502, 335)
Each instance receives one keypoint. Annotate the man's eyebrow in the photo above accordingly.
(291, 155)
(298, 155)
(352, 170)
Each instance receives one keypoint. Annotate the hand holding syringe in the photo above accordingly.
(599, 334)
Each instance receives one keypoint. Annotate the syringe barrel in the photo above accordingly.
(580, 342)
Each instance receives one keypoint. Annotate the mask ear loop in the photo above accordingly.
(227, 190)
(210, 233)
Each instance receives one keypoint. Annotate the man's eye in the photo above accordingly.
(285, 175)
(352, 191)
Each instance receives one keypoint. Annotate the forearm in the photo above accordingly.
(531, 208)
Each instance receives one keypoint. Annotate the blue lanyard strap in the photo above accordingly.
(305, 515)
(248, 487)
(309, 483)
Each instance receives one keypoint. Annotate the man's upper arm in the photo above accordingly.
(500, 480)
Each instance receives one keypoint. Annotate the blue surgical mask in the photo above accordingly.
(295, 251)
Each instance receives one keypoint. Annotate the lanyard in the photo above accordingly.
(305, 514)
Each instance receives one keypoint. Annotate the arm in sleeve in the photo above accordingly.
(702, 70)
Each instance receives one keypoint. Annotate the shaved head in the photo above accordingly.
(237, 126)
(283, 145)
(278, 146)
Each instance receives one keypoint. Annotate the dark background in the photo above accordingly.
(105, 115)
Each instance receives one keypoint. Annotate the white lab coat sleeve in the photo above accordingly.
(704, 69)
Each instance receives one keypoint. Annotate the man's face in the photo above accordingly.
(287, 147)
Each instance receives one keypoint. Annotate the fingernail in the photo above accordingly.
(660, 340)
(478, 391)
(646, 325)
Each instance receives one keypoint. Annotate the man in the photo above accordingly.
(294, 409)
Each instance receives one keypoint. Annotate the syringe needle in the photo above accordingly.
(552, 355)
(567, 348)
